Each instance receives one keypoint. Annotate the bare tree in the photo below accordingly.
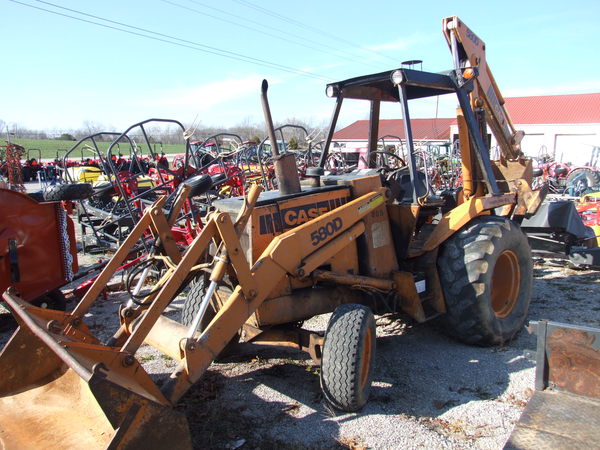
(90, 127)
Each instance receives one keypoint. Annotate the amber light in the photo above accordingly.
(468, 73)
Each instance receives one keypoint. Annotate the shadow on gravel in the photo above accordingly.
(277, 402)
(222, 420)
(426, 373)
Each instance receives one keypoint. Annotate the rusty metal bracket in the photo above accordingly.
(528, 200)
(305, 340)
(541, 367)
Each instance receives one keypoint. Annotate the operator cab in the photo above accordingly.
(407, 178)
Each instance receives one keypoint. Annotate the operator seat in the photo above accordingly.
(405, 195)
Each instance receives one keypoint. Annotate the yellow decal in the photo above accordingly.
(371, 204)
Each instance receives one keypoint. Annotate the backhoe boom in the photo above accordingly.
(468, 50)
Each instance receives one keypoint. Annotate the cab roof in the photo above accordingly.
(379, 86)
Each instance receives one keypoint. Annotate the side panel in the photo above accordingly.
(271, 220)
(44, 237)
(268, 221)
(375, 247)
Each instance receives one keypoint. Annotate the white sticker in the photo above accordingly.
(421, 286)
(381, 235)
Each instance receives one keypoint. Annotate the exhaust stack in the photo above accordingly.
(286, 170)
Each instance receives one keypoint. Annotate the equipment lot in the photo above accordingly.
(428, 392)
(410, 237)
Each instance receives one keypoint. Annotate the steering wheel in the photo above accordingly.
(384, 155)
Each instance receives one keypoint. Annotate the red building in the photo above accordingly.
(566, 127)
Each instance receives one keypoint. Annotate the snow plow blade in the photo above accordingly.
(55, 391)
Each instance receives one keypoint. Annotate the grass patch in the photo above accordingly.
(52, 148)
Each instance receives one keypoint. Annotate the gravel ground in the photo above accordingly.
(429, 391)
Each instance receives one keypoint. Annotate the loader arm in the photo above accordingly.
(295, 253)
(513, 172)
(468, 50)
(104, 384)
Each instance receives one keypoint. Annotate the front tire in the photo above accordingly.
(191, 306)
(486, 273)
(347, 359)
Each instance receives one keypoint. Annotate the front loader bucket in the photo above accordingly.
(57, 391)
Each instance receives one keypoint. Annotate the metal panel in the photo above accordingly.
(554, 420)
(563, 412)
(573, 358)
(560, 216)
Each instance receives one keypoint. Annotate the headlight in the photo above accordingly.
(332, 91)
(397, 77)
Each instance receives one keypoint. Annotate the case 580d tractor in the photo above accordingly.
(371, 241)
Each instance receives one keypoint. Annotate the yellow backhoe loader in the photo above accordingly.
(370, 241)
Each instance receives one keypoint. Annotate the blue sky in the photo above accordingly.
(59, 73)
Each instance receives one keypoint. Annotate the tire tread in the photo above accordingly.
(465, 262)
(75, 191)
(342, 356)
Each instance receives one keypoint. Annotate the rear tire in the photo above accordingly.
(486, 272)
(60, 192)
(347, 359)
(591, 183)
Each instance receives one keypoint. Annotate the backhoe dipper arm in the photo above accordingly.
(468, 50)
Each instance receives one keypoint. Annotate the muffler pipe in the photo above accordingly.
(284, 164)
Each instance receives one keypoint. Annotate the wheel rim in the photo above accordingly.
(366, 362)
(506, 280)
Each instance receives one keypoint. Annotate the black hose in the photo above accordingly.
(135, 271)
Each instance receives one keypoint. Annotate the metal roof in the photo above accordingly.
(547, 109)
(430, 129)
